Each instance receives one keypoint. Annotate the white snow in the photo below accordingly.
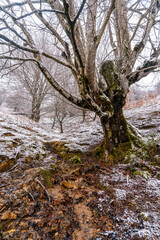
(120, 194)
(153, 185)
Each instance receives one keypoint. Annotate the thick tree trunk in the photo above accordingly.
(115, 131)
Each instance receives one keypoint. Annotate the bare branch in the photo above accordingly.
(105, 22)
(13, 30)
(141, 72)
(151, 19)
(20, 4)
(35, 51)
(49, 26)
(79, 12)
(49, 198)
(138, 24)
(71, 34)
(39, 12)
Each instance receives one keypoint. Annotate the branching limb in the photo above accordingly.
(76, 101)
(39, 12)
(79, 12)
(35, 51)
(122, 31)
(61, 90)
(150, 22)
(13, 30)
(110, 10)
(49, 26)
(20, 4)
(71, 34)
(113, 45)
(156, 52)
(143, 71)
(29, 40)
(138, 24)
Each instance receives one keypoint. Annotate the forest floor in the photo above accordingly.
(55, 186)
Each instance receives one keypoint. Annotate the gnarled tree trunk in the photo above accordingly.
(115, 130)
(114, 126)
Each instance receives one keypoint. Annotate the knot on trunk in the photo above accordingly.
(107, 69)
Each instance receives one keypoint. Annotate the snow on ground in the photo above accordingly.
(78, 136)
(137, 213)
(82, 136)
(146, 117)
(22, 134)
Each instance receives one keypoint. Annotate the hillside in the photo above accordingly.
(54, 186)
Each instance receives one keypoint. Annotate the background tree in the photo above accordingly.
(120, 37)
(60, 113)
(37, 89)
(2, 95)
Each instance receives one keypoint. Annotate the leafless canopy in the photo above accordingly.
(82, 35)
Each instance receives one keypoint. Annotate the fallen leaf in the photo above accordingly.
(13, 216)
(67, 184)
(6, 215)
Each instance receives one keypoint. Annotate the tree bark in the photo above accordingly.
(35, 111)
(115, 131)
(61, 126)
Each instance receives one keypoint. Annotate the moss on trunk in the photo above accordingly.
(119, 137)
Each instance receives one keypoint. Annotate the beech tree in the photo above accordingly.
(108, 45)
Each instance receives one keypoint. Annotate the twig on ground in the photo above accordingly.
(49, 198)
(30, 194)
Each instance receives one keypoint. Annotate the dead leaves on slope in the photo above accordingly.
(27, 213)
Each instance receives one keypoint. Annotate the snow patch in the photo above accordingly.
(120, 194)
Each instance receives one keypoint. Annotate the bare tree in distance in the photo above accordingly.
(117, 38)
(29, 77)
(17, 101)
(60, 113)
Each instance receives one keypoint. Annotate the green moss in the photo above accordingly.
(107, 70)
(158, 175)
(133, 204)
(62, 150)
(53, 167)
(121, 152)
(47, 175)
(152, 151)
(75, 160)
(136, 172)
(138, 46)
(98, 151)
(58, 147)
